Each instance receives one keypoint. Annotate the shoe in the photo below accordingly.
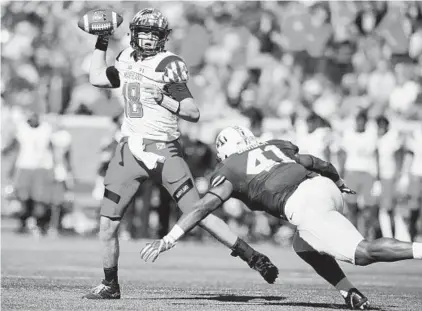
(355, 300)
(106, 290)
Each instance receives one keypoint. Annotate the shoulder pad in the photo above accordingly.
(174, 69)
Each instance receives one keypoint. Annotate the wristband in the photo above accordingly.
(175, 234)
(170, 104)
(102, 43)
(340, 182)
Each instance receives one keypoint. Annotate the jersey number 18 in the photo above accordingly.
(264, 159)
(132, 95)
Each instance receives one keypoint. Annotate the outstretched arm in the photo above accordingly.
(319, 166)
(212, 200)
(323, 168)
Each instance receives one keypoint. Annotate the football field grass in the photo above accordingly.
(53, 274)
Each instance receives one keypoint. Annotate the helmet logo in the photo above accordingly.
(150, 17)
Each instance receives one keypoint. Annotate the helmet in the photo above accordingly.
(232, 139)
(149, 30)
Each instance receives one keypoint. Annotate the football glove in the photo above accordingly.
(264, 266)
(346, 189)
(343, 188)
(152, 250)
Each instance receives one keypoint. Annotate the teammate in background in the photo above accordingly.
(388, 146)
(359, 145)
(153, 84)
(412, 180)
(256, 119)
(33, 180)
(316, 140)
(274, 177)
(61, 141)
(290, 131)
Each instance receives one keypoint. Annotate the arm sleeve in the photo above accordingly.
(319, 166)
(178, 91)
(287, 147)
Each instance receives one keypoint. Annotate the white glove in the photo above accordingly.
(154, 249)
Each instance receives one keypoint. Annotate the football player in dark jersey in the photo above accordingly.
(272, 176)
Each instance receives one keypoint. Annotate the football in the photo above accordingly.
(100, 22)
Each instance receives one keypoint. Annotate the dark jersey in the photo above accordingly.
(264, 175)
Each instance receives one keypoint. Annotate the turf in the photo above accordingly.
(53, 274)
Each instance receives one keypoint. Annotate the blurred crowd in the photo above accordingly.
(315, 62)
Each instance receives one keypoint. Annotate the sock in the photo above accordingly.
(344, 286)
(327, 267)
(111, 274)
(402, 231)
(417, 250)
(243, 250)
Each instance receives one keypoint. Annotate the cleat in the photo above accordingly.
(264, 266)
(106, 290)
(355, 300)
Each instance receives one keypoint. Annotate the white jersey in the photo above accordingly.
(143, 116)
(34, 146)
(314, 143)
(360, 150)
(414, 143)
(388, 145)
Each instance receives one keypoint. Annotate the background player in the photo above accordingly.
(62, 193)
(412, 179)
(359, 147)
(33, 176)
(316, 138)
(153, 84)
(389, 159)
(273, 177)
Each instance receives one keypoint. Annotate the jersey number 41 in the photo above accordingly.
(263, 159)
